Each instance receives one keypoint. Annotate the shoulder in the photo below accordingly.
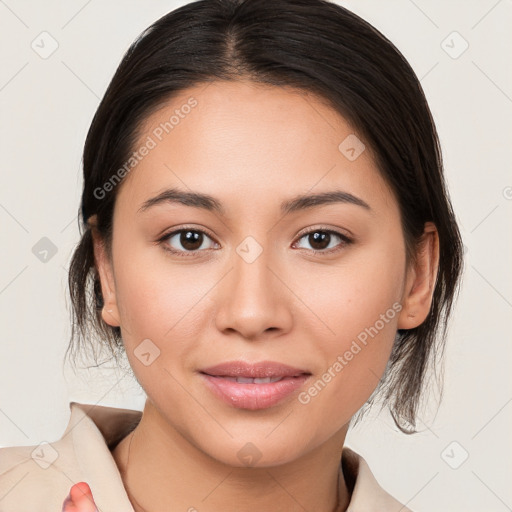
(39, 477)
(367, 494)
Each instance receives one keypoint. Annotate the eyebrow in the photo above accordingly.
(209, 203)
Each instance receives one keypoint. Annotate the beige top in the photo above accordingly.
(38, 478)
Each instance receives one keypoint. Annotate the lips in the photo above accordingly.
(253, 386)
(261, 370)
(249, 380)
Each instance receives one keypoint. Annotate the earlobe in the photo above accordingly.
(109, 313)
(421, 280)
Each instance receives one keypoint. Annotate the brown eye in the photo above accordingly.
(319, 239)
(191, 240)
(322, 240)
(187, 240)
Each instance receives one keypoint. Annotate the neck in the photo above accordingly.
(162, 470)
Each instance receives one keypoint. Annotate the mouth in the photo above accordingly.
(253, 386)
(249, 380)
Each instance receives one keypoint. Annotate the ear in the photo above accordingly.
(110, 312)
(421, 280)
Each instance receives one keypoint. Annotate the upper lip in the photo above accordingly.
(258, 370)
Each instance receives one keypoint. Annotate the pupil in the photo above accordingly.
(319, 238)
(189, 239)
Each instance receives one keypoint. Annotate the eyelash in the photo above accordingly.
(345, 240)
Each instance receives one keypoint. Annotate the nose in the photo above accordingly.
(253, 300)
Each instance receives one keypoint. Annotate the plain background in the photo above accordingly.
(46, 107)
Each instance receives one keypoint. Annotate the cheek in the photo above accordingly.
(163, 304)
(348, 298)
(353, 366)
(359, 306)
(159, 300)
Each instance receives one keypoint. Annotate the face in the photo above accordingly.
(254, 275)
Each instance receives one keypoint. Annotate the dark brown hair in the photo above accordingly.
(314, 46)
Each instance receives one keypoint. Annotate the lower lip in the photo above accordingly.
(253, 396)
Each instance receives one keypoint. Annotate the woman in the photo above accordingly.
(268, 235)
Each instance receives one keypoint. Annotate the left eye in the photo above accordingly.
(321, 239)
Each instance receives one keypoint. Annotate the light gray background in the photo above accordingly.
(46, 108)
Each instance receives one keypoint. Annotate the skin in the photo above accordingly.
(252, 147)
(80, 499)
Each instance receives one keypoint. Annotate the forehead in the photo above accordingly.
(244, 142)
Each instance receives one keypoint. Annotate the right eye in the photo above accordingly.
(186, 240)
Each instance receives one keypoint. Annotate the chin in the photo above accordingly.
(258, 451)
